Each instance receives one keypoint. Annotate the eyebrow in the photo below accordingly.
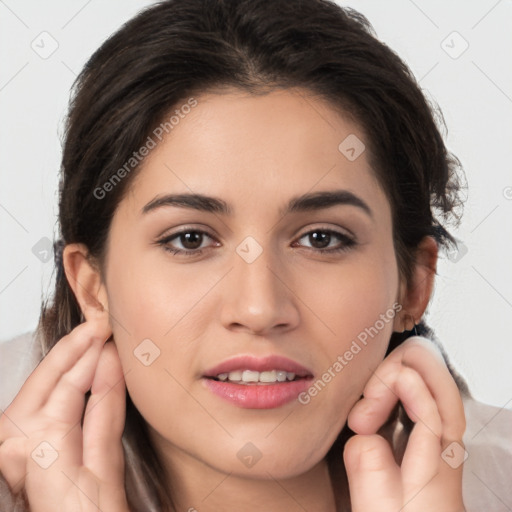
(305, 203)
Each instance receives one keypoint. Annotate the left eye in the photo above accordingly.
(323, 237)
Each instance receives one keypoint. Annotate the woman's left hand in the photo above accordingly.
(430, 475)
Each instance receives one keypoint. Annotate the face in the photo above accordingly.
(272, 278)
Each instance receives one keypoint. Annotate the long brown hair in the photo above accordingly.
(178, 49)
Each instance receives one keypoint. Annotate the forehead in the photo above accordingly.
(258, 149)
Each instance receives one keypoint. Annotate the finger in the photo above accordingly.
(56, 427)
(373, 476)
(423, 453)
(424, 357)
(61, 358)
(373, 410)
(420, 408)
(425, 475)
(379, 399)
(105, 418)
(65, 404)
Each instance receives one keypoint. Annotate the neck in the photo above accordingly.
(196, 486)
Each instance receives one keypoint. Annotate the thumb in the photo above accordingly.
(373, 475)
(13, 462)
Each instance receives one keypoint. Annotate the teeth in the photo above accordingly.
(248, 376)
(268, 376)
(235, 375)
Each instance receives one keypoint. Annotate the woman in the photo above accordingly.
(250, 211)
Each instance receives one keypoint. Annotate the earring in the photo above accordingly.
(412, 327)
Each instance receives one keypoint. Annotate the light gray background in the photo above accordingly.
(472, 304)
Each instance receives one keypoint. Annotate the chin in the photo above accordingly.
(268, 469)
(266, 459)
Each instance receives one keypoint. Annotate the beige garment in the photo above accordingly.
(487, 474)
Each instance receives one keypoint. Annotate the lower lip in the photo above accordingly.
(258, 396)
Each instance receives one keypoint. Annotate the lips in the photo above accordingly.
(258, 383)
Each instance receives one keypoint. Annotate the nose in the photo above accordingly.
(259, 297)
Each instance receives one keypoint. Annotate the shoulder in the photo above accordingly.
(18, 358)
(487, 469)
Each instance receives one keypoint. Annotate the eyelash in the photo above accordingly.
(348, 242)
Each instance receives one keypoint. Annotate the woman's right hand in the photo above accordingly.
(45, 450)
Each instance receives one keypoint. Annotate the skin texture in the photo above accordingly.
(256, 153)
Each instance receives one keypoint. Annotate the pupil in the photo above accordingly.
(322, 237)
(191, 238)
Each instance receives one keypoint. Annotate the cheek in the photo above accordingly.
(152, 300)
(156, 319)
(350, 363)
(357, 309)
(348, 299)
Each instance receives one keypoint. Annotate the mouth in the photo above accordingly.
(258, 383)
(248, 377)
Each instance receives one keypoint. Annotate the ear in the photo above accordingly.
(415, 296)
(86, 282)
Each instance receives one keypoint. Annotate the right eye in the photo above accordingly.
(190, 240)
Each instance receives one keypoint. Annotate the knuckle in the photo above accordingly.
(408, 376)
(455, 430)
(368, 450)
(416, 350)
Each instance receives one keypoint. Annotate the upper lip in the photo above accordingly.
(258, 364)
